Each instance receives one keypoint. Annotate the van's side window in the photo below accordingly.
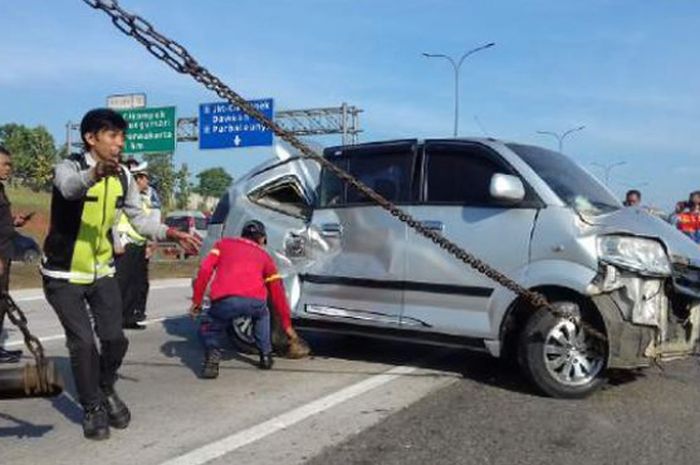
(332, 189)
(460, 173)
(283, 195)
(389, 173)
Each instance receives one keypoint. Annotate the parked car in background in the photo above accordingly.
(189, 221)
(26, 249)
(531, 213)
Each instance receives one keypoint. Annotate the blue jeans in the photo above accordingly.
(224, 311)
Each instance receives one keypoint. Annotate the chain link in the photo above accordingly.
(179, 59)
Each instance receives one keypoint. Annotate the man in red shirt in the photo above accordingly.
(245, 276)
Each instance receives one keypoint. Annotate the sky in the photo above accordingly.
(626, 69)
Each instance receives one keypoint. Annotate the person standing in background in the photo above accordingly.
(133, 251)
(633, 198)
(151, 201)
(7, 232)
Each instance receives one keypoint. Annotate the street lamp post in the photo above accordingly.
(560, 138)
(608, 168)
(456, 65)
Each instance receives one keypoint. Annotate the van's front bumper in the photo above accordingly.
(649, 318)
(627, 342)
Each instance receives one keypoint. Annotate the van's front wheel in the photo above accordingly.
(559, 356)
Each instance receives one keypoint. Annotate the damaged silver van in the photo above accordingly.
(533, 214)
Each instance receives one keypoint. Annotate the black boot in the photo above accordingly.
(266, 361)
(96, 423)
(210, 370)
(117, 411)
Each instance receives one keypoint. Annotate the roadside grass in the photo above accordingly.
(24, 201)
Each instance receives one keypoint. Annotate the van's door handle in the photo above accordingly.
(331, 230)
(433, 225)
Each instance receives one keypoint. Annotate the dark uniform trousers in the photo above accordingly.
(142, 301)
(132, 275)
(7, 231)
(94, 371)
(4, 288)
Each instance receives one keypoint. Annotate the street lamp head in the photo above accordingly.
(456, 65)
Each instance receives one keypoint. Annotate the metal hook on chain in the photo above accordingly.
(41, 379)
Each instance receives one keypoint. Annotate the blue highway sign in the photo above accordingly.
(223, 125)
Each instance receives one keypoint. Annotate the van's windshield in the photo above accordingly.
(569, 181)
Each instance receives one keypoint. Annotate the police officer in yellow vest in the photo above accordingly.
(131, 249)
(78, 267)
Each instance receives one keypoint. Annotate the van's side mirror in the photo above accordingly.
(507, 187)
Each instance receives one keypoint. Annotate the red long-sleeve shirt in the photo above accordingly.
(243, 269)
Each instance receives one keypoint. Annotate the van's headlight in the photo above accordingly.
(644, 256)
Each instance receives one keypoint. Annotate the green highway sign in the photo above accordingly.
(150, 130)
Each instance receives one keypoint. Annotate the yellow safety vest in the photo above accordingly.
(126, 231)
(78, 247)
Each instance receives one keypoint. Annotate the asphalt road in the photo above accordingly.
(356, 401)
(491, 417)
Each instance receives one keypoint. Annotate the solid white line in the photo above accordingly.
(55, 337)
(30, 298)
(58, 337)
(235, 441)
(169, 286)
(157, 287)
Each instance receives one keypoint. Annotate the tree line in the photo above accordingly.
(34, 154)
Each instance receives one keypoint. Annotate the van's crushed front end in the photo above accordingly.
(649, 299)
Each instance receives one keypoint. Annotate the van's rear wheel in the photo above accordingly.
(559, 356)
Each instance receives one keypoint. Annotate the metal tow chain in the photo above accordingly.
(179, 59)
(18, 318)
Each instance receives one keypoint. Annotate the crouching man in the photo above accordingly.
(245, 277)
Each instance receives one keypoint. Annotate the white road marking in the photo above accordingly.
(55, 337)
(30, 298)
(58, 337)
(237, 440)
(157, 287)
